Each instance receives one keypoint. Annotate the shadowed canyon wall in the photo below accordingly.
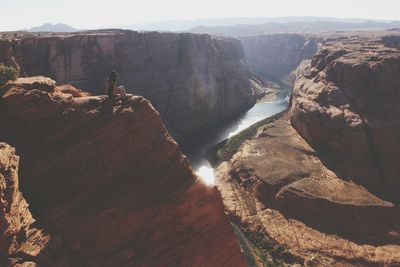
(194, 81)
(278, 56)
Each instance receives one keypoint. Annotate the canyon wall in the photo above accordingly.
(278, 56)
(21, 243)
(346, 105)
(194, 81)
(107, 182)
(322, 180)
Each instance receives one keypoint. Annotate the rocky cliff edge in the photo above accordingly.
(193, 80)
(107, 182)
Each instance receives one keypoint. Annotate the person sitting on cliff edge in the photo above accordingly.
(112, 89)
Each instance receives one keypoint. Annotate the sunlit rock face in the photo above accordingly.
(323, 179)
(22, 244)
(194, 81)
(23, 241)
(108, 180)
(276, 184)
(346, 105)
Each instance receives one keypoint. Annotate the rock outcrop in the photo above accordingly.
(278, 56)
(346, 105)
(194, 81)
(277, 189)
(321, 180)
(109, 181)
(21, 244)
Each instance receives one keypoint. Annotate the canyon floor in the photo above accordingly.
(275, 161)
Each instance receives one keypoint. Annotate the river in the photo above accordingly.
(195, 151)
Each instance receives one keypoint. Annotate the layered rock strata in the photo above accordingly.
(276, 187)
(194, 81)
(107, 178)
(21, 244)
(321, 180)
(346, 105)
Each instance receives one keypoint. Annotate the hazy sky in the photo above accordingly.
(17, 14)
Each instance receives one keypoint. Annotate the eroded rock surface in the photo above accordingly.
(322, 181)
(346, 105)
(277, 187)
(21, 243)
(194, 81)
(108, 179)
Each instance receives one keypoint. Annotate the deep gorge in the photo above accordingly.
(108, 184)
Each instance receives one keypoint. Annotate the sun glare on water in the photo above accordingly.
(207, 175)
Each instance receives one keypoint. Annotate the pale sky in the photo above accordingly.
(18, 14)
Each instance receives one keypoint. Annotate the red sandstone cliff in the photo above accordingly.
(194, 81)
(346, 105)
(322, 181)
(108, 182)
(20, 242)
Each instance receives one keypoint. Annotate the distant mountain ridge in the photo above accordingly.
(48, 27)
(241, 26)
(240, 30)
(188, 25)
